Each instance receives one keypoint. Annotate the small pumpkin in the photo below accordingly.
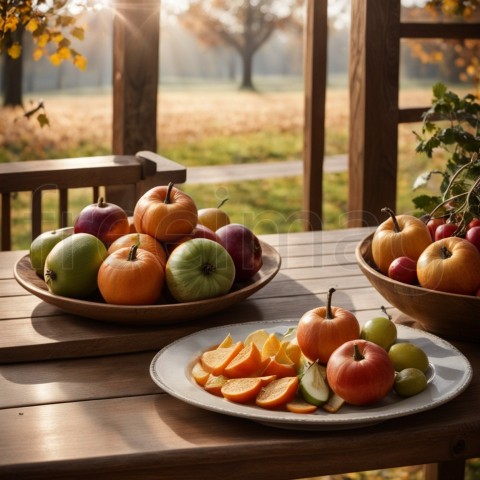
(131, 276)
(166, 213)
(143, 241)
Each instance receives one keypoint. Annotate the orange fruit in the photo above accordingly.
(298, 405)
(277, 393)
(226, 342)
(281, 370)
(215, 361)
(199, 374)
(214, 384)
(258, 337)
(271, 346)
(242, 390)
(247, 362)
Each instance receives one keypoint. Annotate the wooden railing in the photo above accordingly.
(125, 178)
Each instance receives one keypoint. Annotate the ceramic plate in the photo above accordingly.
(449, 374)
(164, 313)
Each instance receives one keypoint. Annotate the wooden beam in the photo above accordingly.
(374, 84)
(315, 72)
(135, 75)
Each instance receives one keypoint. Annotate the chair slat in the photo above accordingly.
(6, 242)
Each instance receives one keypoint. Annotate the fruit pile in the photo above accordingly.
(327, 360)
(438, 254)
(170, 248)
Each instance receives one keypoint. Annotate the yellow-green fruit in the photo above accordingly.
(409, 382)
(72, 265)
(213, 218)
(408, 355)
(43, 244)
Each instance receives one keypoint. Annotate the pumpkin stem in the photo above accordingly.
(396, 226)
(329, 314)
(357, 356)
(132, 254)
(101, 202)
(445, 252)
(169, 191)
(220, 205)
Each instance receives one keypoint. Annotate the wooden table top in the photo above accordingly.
(76, 397)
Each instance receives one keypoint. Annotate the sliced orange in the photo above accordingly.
(226, 342)
(215, 383)
(266, 379)
(282, 356)
(277, 393)
(281, 370)
(246, 363)
(294, 353)
(271, 346)
(297, 405)
(199, 374)
(215, 361)
(242, 390)
(258, 337)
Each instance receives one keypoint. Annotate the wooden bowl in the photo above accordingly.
(445, 314)
(167, 312)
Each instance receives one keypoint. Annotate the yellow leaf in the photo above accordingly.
(80, 62)
(57, 37)
(15, 50)
(11, 23)
(56, 59)
(64, 53)
(78, 32)
(37, 54)
(42, 39)
(32, 25)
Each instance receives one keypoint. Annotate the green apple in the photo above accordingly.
(380, 330)
(408, 355)
(199, 269)
(41, 246)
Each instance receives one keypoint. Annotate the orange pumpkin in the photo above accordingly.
(143, 241)
(166, 213)
(131, 276)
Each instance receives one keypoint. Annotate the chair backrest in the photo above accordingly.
(376, 32)
(125, 178)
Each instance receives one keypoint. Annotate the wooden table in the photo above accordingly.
(76, 398)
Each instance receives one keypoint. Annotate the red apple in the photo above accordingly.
(106, 221)
(403, 269)
(244, 247)
(473, 236)
(446, 230)
(473, 223)
(433, 224)
(200, 231)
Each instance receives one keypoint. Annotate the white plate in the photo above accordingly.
(448, 376)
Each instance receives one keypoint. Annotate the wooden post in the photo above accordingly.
(374, 84)
(136, 37)
(135, 75)
(315, 71)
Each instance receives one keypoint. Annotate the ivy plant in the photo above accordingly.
(452, 124)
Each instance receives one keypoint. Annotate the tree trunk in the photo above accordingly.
(13, 75)
(247, 62)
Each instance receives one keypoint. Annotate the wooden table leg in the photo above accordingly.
(453, 470)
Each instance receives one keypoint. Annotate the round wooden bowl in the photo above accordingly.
(445, 314)
(168, 311)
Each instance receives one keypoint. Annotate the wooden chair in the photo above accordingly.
(125, 178)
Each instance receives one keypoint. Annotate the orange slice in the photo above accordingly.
(199, 374)
(298, 405)
(258, 337)
(242, 390)
(245, 363)
(215, 361)
(281, 370)
(277, 393)
(271, 346)
(215, 383)
(226, 342)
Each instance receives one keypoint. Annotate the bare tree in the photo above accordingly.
(244, 25)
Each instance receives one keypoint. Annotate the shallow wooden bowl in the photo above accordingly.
(445, 314)
(166, 312)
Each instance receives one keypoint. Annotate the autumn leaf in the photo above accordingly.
(55, 59)
(37, 54)
(78, 32)
(43, 120)
(80, 62)
(32, 25)
(15, 50)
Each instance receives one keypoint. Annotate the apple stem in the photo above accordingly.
(357, 356)
(220, 205)
(101, 202)
(169, 191)
(446, 253)
(384, 310)
(396, 226)
(50, 274)
(208, 269)
(329, 314)
(132, 254)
